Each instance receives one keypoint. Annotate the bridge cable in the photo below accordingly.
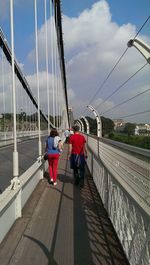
(3, 88)
(127, 100)
(58, 24)
(101, 86)
(134, 114)
(46, 63)
(117, 89)
(52, 60)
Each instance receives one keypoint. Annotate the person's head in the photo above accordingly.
(53, 132)
(75, 128)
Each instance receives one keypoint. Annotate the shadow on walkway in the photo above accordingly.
(63, 225)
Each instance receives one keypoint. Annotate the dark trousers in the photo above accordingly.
(79, 175)
(77, 163)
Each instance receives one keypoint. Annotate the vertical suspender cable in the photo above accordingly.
(56, 67)
(11, 103)
(4, 108)
(55, 82)
(46, 58)
(37, 78)
(52, 51)
(15, 153)
(58, 99)
(61, 55)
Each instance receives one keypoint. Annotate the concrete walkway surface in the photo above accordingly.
(63, 225)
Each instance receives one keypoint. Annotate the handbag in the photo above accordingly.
(45, 156)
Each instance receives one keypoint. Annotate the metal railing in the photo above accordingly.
(122, 177)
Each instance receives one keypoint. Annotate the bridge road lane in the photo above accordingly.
(28, 153)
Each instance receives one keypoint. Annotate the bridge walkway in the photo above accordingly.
(63, 225)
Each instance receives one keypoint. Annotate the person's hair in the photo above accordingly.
(53, 132)
(75, 128)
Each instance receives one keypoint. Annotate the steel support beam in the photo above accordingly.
(142, 47)
(82, 125)
(79, 124)
(87, 125)
(98, 119)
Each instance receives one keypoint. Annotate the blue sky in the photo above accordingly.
(95, 36)
(123, 11)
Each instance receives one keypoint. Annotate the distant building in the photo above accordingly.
(119, 125)
(142, 129)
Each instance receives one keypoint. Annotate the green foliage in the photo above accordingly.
(129, 128)
(138, 140)
(107, 126)
(93, 125)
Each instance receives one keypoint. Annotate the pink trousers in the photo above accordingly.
(53, 165)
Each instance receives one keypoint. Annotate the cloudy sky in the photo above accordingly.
(95, 37)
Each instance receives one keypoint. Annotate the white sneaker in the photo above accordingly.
(55, 183)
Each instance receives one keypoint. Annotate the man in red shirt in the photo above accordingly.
(77, 155)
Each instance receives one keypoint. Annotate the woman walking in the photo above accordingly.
(53, 147)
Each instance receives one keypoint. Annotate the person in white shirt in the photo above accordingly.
(67, 134)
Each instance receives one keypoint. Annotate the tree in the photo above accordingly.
(107, 125)
(93, 125)
(129, 128)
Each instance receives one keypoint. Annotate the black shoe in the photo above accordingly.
(51, 182)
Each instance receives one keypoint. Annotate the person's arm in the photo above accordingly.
(60, 145)
(70, 149)
(45, 146)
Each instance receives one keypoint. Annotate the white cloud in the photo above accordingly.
(53, 81)
(93, 44)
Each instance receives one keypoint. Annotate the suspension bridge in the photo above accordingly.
(108, 221)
